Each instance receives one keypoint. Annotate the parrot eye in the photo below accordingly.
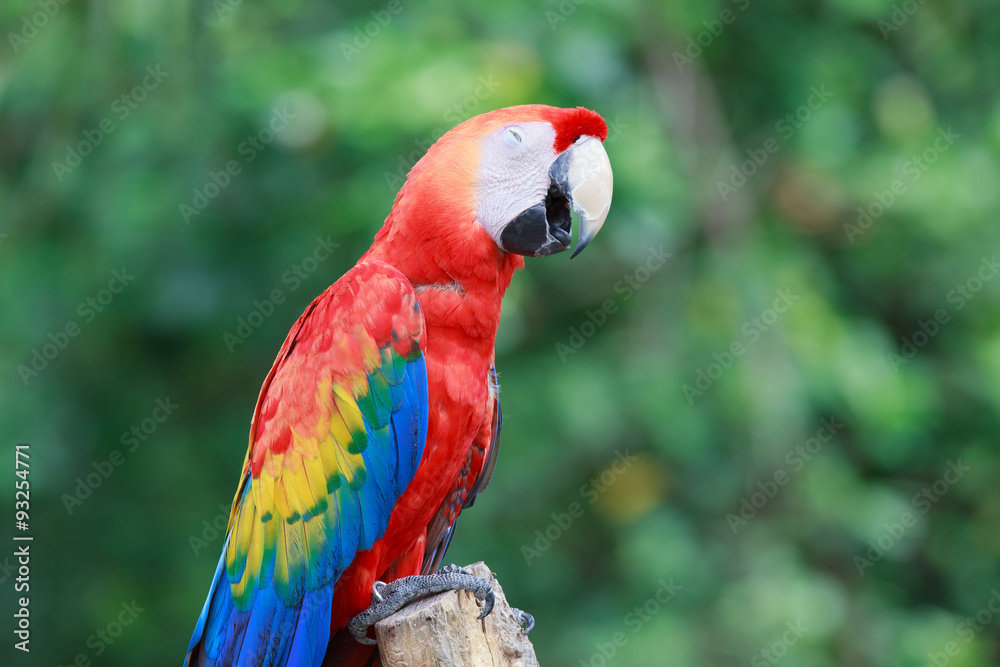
(516, 133)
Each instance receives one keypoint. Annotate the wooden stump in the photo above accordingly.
(443, 630)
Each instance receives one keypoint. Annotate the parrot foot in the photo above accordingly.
(389, 598)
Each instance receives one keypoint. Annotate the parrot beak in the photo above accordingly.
(580, 178)
(583, 175)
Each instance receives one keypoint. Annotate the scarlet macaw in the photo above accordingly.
(379, 419)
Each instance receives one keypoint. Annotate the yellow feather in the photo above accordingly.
(251, 573)
(263, 491)
(331, 467)
(350, 464)
(281, 559)
(316, 480)
(292, 481)
(350, 411)
(281, 503)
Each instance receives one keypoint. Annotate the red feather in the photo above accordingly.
(571, 124)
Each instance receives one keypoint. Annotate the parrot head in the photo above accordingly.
(511, 177)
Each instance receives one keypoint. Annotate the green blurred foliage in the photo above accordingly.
(688, 108)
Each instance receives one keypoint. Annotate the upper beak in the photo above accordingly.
(583, 174)
(579, 178)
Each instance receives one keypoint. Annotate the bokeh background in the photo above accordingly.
(823, 176)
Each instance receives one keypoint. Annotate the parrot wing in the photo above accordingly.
(337, 435)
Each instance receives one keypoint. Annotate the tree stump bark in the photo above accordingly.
(443, 630)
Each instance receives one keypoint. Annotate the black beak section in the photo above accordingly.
(579, 180)
(542, 230)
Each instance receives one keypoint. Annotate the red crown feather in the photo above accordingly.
(571, 124)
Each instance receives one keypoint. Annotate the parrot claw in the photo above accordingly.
(389, 598)
(377, 588)
(488, 603)
(525, 620)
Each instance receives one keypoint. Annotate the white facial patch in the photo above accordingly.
(513, 173)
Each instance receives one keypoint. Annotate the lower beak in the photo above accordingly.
(581, 179)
